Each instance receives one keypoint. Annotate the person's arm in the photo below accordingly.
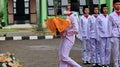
(89, 27)
(97, 29)
(75, 24)
(110, 26)
(80, 29)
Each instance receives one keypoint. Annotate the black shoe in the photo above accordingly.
(98, 65)
(94, 66)
(87, 62)
(103, 66)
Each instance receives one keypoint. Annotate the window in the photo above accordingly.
(14, 0)
(56, 6)
(96, 2)
(26, 3)
(14, 11)
(26, 0)
(26, 11)
(14, 6)
(64, 2)
(63, 6)
(51, 10)
(50, 3)
(82, 3)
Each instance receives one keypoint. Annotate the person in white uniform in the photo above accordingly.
(67, 41)
(92, 35)
(114, 26)
(103, 36)
(82, 35)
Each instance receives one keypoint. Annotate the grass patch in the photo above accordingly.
(8, 30)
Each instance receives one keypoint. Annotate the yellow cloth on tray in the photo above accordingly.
(57, 23)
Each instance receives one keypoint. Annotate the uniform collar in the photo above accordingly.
(118, 13)
(86, 16)
(70, 14)
(105, 15)
(95, 15)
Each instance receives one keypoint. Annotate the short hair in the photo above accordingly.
(86, 6)
(115, 1)
(102, 6)
(95, 6)
(75, 5)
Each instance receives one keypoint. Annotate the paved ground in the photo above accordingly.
(39, 53)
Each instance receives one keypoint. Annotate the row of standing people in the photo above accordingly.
(98, 33)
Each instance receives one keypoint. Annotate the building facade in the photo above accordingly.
(37, 11)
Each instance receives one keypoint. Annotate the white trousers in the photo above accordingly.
(105, 51)
(116, 51)
(86, 50)
(95, 51)
(64, 51)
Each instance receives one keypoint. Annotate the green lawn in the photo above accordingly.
(8, 30)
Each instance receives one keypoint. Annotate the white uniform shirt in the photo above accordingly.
(83, 27)
(74, 22)
(72, 29)
(102, 26)
(114, 24)
(92, 27)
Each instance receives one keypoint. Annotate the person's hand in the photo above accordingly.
(109, 36)
(76, 33)
(61, 33)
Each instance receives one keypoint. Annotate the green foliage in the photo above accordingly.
(2, 24)
(9, 30)
(1, 15)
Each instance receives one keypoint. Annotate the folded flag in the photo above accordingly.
(57, 23)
